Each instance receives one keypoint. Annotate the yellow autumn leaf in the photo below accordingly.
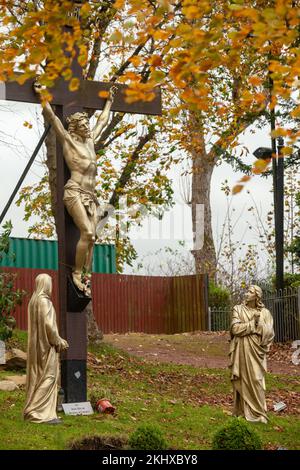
(155, 60)
(74, 84)
(260, 166)
(192, 12)
(116, 36)
(286, 150)
(296, 112)
(161, 34)
(131, 76)
(280, 132)
(27, 124)
(119, 4)
(237, 188)
(135, 60)
(255, 80)
(85, 9)
(138, 91)
(245, 178)
(103, 94)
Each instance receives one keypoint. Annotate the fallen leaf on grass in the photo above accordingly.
(278, 428)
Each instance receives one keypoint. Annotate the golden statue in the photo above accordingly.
(251, 336)
(80, 198)
(44, 346)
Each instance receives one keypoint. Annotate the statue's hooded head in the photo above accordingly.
(78, 123)
(43, 285)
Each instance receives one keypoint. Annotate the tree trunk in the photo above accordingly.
(204, 249)
(94, 334)
(203, 165)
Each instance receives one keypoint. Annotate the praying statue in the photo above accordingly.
(252, 334)
(80, 197)
(44, 346)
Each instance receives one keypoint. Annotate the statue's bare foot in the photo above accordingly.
(87, 291)
(77, 281)
(87, 285)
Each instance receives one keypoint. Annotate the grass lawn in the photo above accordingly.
(188, 403)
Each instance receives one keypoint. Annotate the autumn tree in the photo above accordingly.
(220, 57)
(130, 163)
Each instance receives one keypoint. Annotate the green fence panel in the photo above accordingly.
(42, 254)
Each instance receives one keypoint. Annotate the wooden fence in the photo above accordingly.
(124, 303)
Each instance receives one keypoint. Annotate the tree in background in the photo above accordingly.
(239, 263)
(219, 56)
(293, 248)
(176, 261)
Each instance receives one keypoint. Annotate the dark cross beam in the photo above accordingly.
(71, 305)
(86, 97)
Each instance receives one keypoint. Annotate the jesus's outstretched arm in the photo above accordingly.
(51, 116)
(103, 118)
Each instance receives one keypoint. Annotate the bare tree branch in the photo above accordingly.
(130, 167)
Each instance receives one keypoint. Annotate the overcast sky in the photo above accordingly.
(13, 161)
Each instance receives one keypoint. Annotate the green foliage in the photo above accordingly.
(290, 280)
(19, 340)
(36, 200)
(9, 298)
(294, 246)
(4, 238)
(218, 297)
(99, 442)
(236, 436)
(147, 437)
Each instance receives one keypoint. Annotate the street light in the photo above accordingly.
(265, 153)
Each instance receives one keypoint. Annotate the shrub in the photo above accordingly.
(236, 436)
(290, 280)
(218, 297)
(99, 443)
(9, 297)
(147, 437)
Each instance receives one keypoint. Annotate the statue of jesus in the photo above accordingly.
(80, 198)
(252, 334)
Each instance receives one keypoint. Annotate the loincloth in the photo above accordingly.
(74, 192)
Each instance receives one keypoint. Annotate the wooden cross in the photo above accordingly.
(72, 318)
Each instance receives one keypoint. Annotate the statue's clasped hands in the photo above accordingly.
(256, 318)
(62, 346)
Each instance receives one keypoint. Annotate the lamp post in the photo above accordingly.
(266, 153)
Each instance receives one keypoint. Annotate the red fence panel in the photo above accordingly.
(124, 303)
(150, 304)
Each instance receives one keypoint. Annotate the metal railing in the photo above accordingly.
(219, 319)
(284, 306)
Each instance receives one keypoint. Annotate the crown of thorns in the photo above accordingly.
(76, 117)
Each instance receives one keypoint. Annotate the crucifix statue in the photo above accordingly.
(76, 200)
(78, 143)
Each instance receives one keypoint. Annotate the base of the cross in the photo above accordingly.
(76, 299)
(74, 380)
